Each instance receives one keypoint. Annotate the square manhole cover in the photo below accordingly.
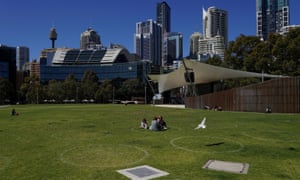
(234, 167)
(142, 172)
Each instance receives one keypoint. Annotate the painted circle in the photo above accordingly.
(104, 155)
(206, 144)
(273, 135)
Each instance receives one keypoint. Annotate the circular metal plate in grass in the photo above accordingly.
(104, 155)
(206, 144)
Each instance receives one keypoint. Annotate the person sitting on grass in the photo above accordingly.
(154, 125)
(144, 124)
(162, 123)
(14, 112)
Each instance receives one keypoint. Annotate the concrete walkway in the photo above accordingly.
(170, 105)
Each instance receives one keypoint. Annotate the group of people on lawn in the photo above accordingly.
(157, 124)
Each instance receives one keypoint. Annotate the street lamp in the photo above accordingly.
(37, 95)
(113, 97)
(77, 88)
(145, 93)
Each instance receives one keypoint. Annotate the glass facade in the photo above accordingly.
(163, 16)
(8, 68)
(8, 63)
(128, 70)
(175, 49)
(4, 71)
(22, 57)
(148, 41)
(271, 16)
(107, 64)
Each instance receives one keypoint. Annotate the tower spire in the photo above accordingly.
(53, 36)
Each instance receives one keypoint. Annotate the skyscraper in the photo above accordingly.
(163, 16)
(194, 44)
(174, 47)
(147, 41)
(211, 47)
(215, 22)
(271, 16)
(8, 68)
(89, 39)
(22, 57)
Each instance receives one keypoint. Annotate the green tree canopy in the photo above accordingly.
(5, 90)
(89, 84)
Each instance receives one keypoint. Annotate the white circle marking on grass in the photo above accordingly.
(269, 139)
(64, 160)
(172, 142)
(141, 130)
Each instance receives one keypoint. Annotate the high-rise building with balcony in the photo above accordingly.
(194, 44)
(215, 22)
(210, 47)
(215, 34)
(271, 16)
(90, 39)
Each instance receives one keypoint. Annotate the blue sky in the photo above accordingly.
(28, 23)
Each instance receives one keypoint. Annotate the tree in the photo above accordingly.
(237, 51)
(105, 92)
(131, 88)
(55, 91)
(293, 52)
(71, 87)
(31, 89)
(5, 89)
(215, 60)
(89, 84)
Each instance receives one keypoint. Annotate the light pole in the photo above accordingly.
(113, 97)
(145, 93)
(77, 88)
(37, 95)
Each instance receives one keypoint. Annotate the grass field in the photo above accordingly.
(93, 141)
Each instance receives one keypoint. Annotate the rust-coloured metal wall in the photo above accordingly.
(282, 95)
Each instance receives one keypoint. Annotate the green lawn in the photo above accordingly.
(93, 141)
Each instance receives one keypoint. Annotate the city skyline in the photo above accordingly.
(28, 23)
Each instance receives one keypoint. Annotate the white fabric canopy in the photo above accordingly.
(203, 73)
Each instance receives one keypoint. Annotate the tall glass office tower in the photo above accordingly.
(163, 16)
(147, 41)
(174, 45)
(271, 16)
(22, 57)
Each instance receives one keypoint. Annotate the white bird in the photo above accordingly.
(202, 124)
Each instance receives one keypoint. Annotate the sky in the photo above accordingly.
(28, 23)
